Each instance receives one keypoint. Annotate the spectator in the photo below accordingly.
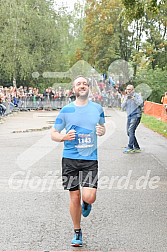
(132, 103)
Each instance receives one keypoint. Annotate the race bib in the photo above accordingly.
(85, 140)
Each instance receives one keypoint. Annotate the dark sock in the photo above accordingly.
(77, 230)
(85, 205)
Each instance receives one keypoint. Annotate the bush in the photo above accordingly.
(156, 80)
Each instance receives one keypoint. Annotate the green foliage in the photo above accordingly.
(31, 39)
(37, 38)
(136, 9)
(156, 80)
(135, 33)
(155, 124)
(72, 35)
(150, 25)
(106, 33)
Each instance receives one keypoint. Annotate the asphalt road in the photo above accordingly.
(130, 213)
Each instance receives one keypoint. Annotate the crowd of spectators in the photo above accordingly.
(30, 98)
(109, 93)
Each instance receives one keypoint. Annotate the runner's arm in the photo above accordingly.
(100, 129)
(60, 137)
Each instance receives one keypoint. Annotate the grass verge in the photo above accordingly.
(155, 124)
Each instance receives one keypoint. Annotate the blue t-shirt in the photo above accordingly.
(83, 119)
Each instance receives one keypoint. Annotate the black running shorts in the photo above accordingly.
(76, 172)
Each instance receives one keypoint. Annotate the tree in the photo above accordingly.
(29, 39)
(149, 19)
(155, 79)
(107, 37)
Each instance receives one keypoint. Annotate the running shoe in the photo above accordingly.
(137, 150)
(77, 239)
(127, 150)
(86, 208)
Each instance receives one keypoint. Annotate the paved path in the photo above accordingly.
(130, 213)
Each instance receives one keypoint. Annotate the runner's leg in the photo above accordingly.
(75, 208)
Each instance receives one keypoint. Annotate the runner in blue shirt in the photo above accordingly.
(83, 121)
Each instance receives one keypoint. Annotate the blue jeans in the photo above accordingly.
(132, 124)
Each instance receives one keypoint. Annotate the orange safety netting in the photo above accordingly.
(155, 109)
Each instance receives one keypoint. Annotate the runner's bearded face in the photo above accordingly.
(81, 88)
